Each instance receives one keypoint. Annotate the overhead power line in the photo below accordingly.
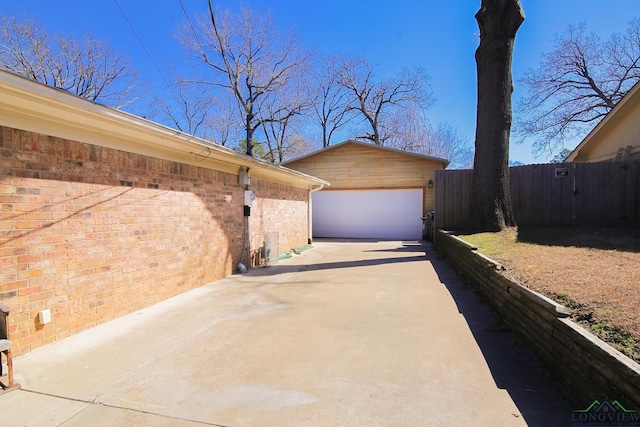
(195, 34)
(145, 49)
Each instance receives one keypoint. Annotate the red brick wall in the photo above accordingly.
(280, 209)
(93, 233)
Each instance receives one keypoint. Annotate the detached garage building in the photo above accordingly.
(375, 192)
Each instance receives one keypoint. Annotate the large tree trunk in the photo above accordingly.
(498, 21)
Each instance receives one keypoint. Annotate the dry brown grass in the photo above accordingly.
(594, 272)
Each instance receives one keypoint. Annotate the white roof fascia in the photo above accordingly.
(603, 124)
(34, 107)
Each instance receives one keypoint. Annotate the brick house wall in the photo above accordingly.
(282, 209)
(93, 233)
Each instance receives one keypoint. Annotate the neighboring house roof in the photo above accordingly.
(619, 129)
(444, 162)
(32, 106)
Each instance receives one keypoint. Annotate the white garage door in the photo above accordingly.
(382, 214)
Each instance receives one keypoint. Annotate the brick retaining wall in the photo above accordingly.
(588, 367)
(93, 233)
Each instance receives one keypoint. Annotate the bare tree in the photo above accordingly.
(498, 21)
(246, 57)
(412, 131)
(87, 68)
(415, 133)
(224, 122)
(444, 141)
(281, 141)
(577, 84)
(332, 106)
(375, 101)
(193, 109)
(190, 110)
(279, 113)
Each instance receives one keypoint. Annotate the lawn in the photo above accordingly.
(595, 272)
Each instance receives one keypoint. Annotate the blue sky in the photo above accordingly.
(439, 36)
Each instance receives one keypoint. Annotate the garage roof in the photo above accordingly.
(444, 162)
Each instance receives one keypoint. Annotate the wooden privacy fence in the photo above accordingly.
(604, 194)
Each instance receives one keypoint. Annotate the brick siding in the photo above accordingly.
(282, 209)
(93, 233)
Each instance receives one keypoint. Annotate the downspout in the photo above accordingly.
(245, 257)
(309, 213)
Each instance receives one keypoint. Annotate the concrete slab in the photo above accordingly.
(353, 333)
(23, 408)
(105, 416)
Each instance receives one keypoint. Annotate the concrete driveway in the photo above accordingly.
(349, 333)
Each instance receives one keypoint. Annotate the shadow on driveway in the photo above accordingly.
(352, 346)
(515, 368)
(407, 247)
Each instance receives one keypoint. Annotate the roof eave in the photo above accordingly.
(625, 103)
(445, 162)
(32, 106)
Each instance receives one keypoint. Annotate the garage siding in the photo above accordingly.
(359, 166)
